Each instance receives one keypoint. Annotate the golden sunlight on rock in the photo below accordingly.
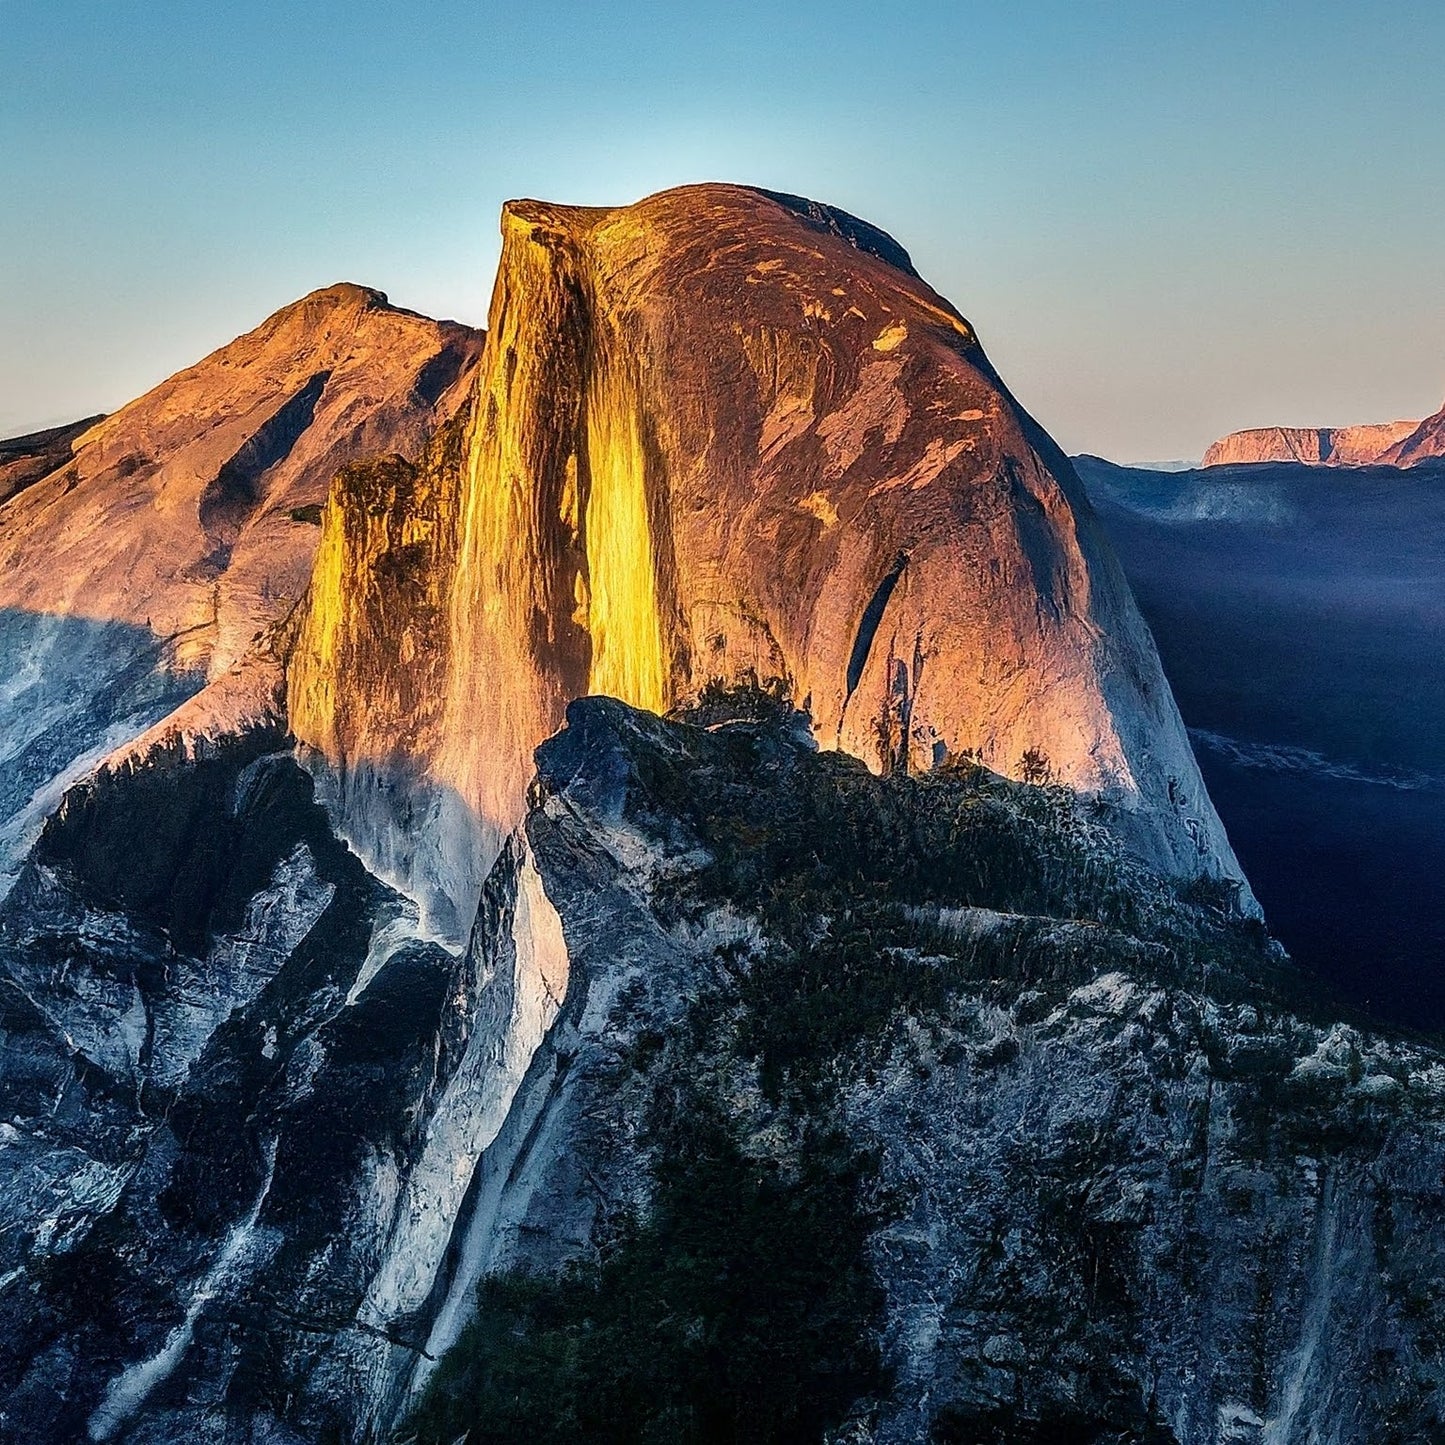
(687, 463)
(1345, 446)
(622, 620)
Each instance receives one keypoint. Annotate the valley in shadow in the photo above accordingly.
(1300, 616)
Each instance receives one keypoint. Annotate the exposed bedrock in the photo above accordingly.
(1079, 1152)
(1390, 443)
(139, 565)
(1425, 441)
(719, 436)
(26, 459)
(1073, 1159)
(244, 1103)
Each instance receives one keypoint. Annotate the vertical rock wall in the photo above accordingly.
(720, 436)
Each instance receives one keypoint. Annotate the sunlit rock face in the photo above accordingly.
(1340, 446)
(721, 435)
(153, 546)
(1425, 441)
(26, 459)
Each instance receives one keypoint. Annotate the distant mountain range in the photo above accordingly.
(1391, 443)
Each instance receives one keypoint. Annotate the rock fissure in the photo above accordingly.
(868, 625)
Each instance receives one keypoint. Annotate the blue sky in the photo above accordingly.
(1165, 220)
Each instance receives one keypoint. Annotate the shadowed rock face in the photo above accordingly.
(989, 1126)
(1341, 446)
(26, 459)
(154, 545)
(720, 435)
(1425, 441)
(243, 1096)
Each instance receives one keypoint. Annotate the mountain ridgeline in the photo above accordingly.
(682, 910)
(1387, 444)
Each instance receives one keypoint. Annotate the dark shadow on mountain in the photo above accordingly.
(71, 690)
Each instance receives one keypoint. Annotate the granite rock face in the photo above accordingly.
(718, 436)
(1338, 446)
(244, 1099)
(158, 542)
(1425, 441)
(1119, 1177)
(1051, 1149)
(778, 1066)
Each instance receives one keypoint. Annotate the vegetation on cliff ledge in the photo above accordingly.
(738, 1303)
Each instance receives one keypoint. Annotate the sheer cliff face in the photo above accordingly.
(982, 1122)
(141, 556)
(720, 435)
(1341, 446)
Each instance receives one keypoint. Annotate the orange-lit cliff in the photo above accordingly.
(722, 435)
(1339, 446)
(141, 555)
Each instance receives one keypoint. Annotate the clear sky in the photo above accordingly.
(1166, 220)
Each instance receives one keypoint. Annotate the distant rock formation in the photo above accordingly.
(26, 459)
(1344, 446)
(1426, 441)
(718, 436)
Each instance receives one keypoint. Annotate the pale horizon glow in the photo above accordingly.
(1165, 222)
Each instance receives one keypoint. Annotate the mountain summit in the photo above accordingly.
(722, 435)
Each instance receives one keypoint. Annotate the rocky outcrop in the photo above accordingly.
(162, 539)
(1427, 440)
(1054, 1154)
(1343, 446)
(722, 435)
(1391, 444)
(683, 1050)
(244, 1099)
(765, 1092)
